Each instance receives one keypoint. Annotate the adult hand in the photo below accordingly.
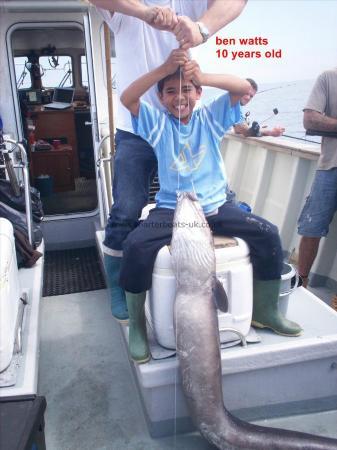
(187, 33)
(276, 131)
(177, 57)
(192, 72)
(161, 18)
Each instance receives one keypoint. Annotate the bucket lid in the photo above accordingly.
(288, 271)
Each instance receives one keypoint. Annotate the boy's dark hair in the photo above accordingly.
(253, 84)
(176, 74)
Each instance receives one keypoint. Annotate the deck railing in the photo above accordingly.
(274, 176)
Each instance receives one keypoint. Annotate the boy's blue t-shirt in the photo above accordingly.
(189, 157)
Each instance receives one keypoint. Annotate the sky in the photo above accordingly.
(302, 33)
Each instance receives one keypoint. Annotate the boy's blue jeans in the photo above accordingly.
(135, 167)
(143, 244)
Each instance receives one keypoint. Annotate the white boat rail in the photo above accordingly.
(274, 176)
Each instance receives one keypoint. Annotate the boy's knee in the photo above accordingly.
(275, 235)
(132, 247)
(273, 238)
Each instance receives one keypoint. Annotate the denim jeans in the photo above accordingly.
(320, 205)
(143, 244)
(135, 168)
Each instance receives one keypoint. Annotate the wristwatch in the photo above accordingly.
(203, 31)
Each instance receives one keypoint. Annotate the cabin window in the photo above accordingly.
(22, 72)
(84, 71)
(56, 71)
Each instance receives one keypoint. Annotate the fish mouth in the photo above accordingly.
(189, 209)
(189, 195)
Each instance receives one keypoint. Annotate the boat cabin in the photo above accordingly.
(52, 87)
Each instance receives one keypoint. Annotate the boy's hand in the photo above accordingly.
(192, 72)
(187, 33)
(178, 57)
(161, 18)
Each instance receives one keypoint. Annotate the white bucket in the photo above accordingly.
(290, 281)
(234, 271)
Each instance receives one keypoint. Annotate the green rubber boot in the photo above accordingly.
(112, 266)
(138, 344)
(266, 313)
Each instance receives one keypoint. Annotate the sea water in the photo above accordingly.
(289, 98)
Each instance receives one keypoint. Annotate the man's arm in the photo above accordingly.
(315, 120)
(133, 8)
(130, 98)
(219, 14)
(243, 129)
(274, 132)
(158, 17)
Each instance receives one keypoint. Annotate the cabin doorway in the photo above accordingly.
(50, 67)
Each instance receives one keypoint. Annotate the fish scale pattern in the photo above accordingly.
(71, 271)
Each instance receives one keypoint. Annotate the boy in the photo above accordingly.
(187, 146)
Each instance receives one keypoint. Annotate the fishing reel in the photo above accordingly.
(254, 130)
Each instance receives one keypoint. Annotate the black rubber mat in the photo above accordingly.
(70, 271)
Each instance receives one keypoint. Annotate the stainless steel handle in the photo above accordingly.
(233, 330)
(297, 280)
(28, 201)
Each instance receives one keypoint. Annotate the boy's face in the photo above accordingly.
(180, 104)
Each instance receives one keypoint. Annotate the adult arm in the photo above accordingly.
(158, 17)
(315, 120)
(219, 14)
(274, 132)
(315, 116)
(243, 129)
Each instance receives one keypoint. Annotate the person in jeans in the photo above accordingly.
(320, 114)
(145, 32)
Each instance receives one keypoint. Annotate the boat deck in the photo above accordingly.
(93, 398)
(93, 402)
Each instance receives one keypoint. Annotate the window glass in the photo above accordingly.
(84, 71)
(56, 71)
(22, 74)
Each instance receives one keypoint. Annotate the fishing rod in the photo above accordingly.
(255, 129)
(273, 88)
(331, 134)
(300, 139)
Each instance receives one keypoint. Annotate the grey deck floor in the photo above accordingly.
(92, 399)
